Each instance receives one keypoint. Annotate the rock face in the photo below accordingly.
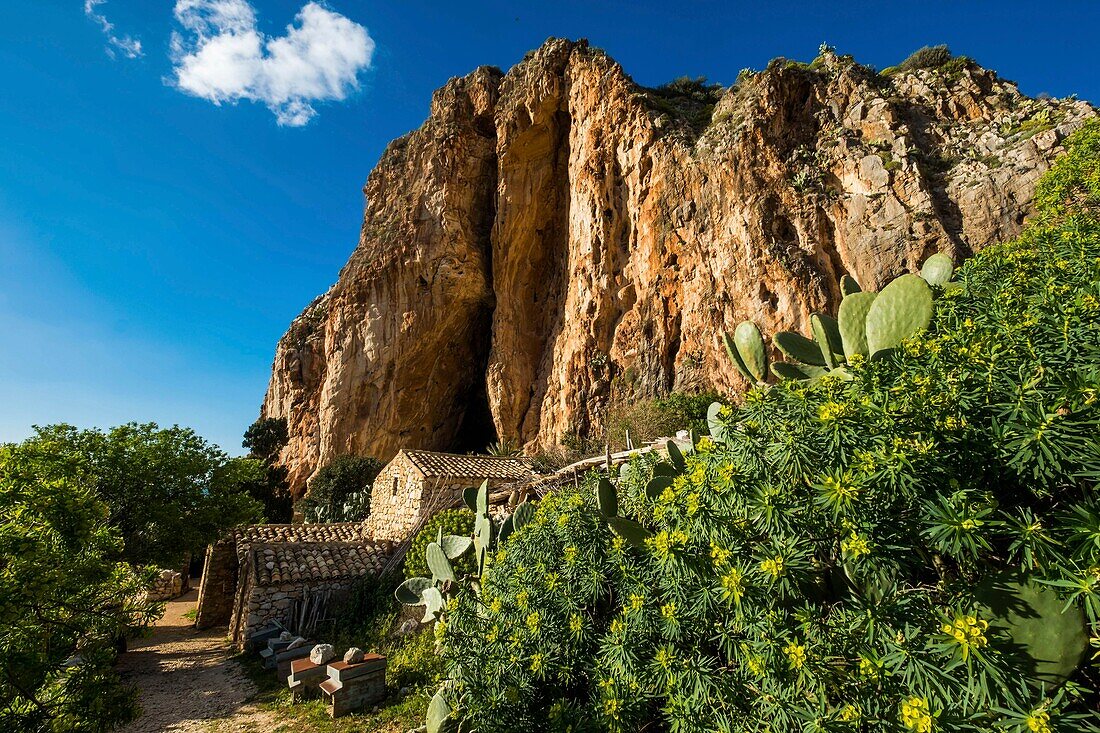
(557, 237)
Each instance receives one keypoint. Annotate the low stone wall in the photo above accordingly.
(266, 604)
(167, 585)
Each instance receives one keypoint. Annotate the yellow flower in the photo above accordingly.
(692, 504)
(796, 655)
(551, 581)
(521, 599)
(719, 555)
(533, 621)
(850, 714)
(968, 632)
(698, 475)
(773, 566)
(570, 553)
(915, 715)
(617, 544)
(733, 585)
(634, 603)
(576, 623)
(663, 658)
(668, 611)
(705, 444)
(537, 662)
(1039, 721)
(492, 635)
(855, 546)
(611, 707)
(617, 626)
(869, 668)
(563, 520)
(495, 606)
(830, 411)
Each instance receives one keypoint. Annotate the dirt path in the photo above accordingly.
(186, 681)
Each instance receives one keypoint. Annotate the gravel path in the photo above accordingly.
(185, 679)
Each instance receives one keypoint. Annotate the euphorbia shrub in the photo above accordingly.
(913, 548)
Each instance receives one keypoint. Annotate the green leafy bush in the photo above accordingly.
(910, 545)
(340, 490)
(65, 599)
(453, 522)
(660, 417)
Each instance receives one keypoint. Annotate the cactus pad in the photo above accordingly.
(937, 269)
(439, 564)
(455, 546)
(852, 321)
(607, 499)
(1038, 623)
(715, 425)
(848, 285)
(656, 485)
(827, 335)
(410, 591)
(750, 347)
(902, 309)
(798, 347)
(629, 530)
(523, 515)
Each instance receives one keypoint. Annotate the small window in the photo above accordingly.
(395, 486)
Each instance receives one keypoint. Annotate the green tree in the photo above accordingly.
(64, 596)
(344, 480)
(266, 437)
(167, 491)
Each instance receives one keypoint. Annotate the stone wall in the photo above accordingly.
(217, 587)
(168, 584)
(264, 604)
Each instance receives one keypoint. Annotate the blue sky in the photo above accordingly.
(154, 245)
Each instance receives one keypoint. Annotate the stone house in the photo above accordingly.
(290, 572)
(419, 483)
(295, 582)
(226, 559)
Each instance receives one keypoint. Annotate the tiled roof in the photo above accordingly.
(293, 562)
(245, 537)
(451, 465)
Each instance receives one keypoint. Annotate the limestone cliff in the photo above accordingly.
(557, 236)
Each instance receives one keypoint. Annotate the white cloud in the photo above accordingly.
(129, 47)
(222, 56)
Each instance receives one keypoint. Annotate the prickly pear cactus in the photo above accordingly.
(798, 347)
(937, 269)
(827, 335)
(751, 350)
(852, 321)
(1037, 622)
(902, 309)
(848, 285)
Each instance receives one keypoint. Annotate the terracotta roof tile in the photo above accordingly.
(451, 465)
(294, 562)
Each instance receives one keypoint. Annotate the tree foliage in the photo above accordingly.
(167, 491)
(340, 490)
(824, 561)
(65, 598)
(266, 437)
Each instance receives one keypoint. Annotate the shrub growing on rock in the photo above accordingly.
(910, 544)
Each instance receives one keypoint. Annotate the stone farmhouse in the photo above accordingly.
(291, 573)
